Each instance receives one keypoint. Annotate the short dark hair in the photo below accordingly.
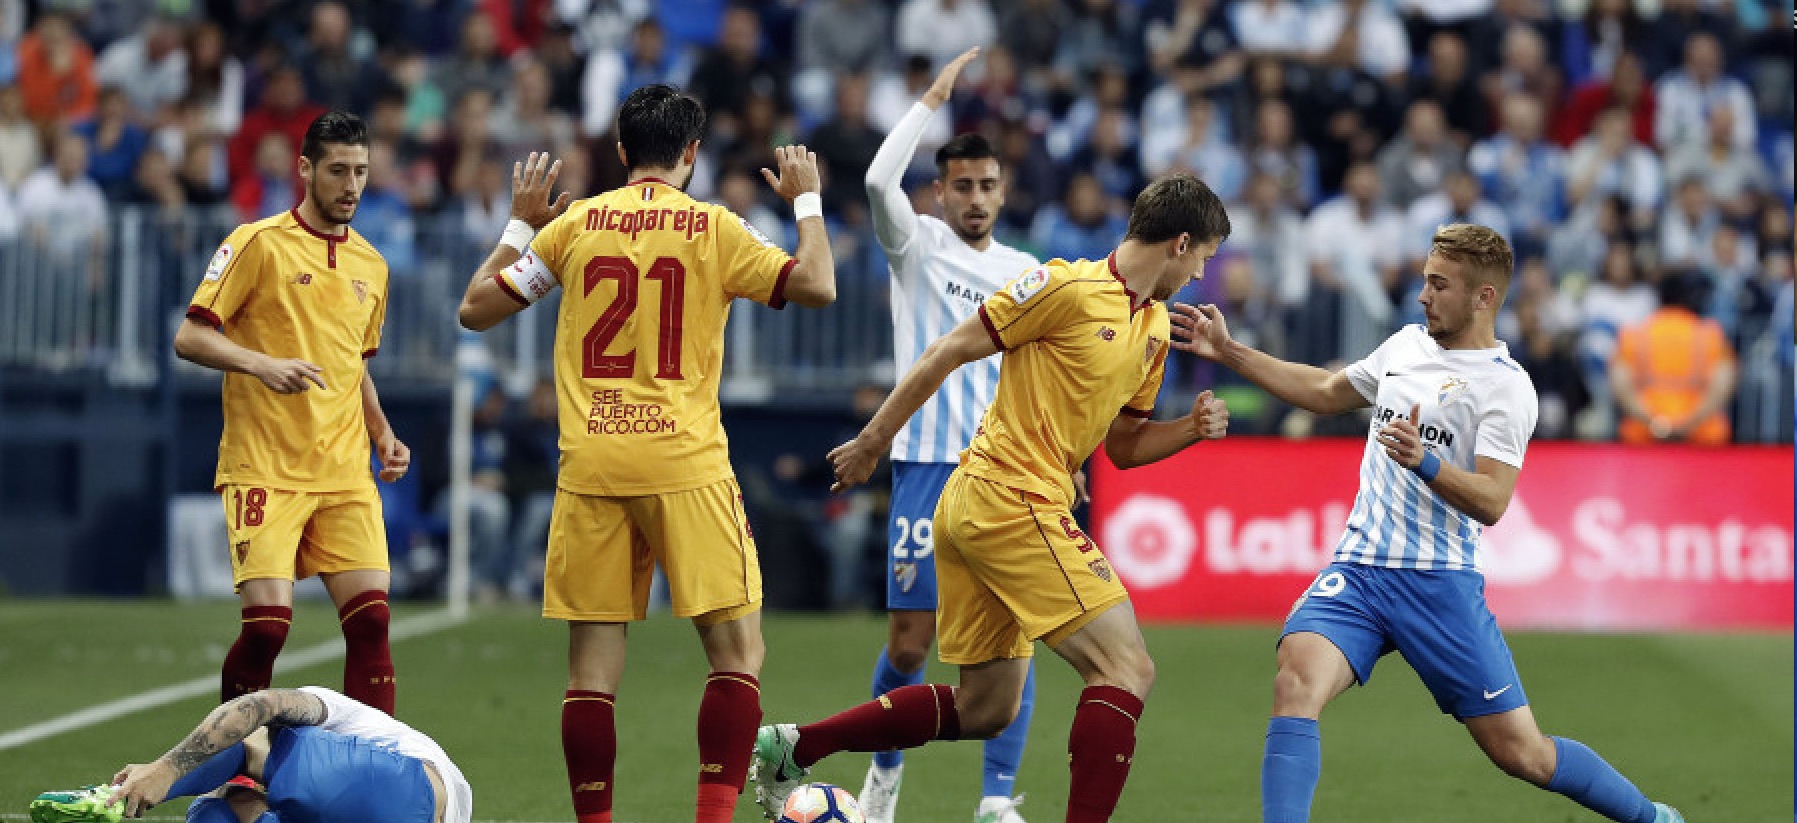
(338, 127)
(1176, 204)
(969, 146)
(657, 123)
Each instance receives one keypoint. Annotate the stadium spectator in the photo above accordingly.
(1459, 201)
(1030, 177)
(891, 97)
(1415, 163)
(476, 63)
(1738, 295)
(470, 140)
(1165, 119)
(1360, 35)
(215, 78)
(1031, 30)
(150, 65)
(21, 151)
(604, 25)
(1112, 158)
(1678, 23)
(154, 184)
(1525, 70)
(1276, 28)
(485, 204)
(114, 143)
(735, 70)
(1523, 173)
(1674, 373)
(524, 117)
(1080, 227)
(1683, 98)
(518, 25)
(1618, 300)
(1274, 150)
(941, 29)
(284, 109)
(62, 210)
(1543, 348)
(426, 106)
(1203, 154)
(1593, 45)
(566, 67)
(384, 217)
(845, 145)
(1449, 80)
(1735, 176)
(9, 217)
(738, 192)
(1356, 246)
(1194, 31)
(1609, 163)
(56, 73)
(270, 189)
(1107, 90)
(840, 37)
(1626, 88)
(613, 73)
(336, 76)
(1686, 227)
(532, 456)
(1269, 234)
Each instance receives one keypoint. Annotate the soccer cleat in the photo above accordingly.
(879, 795)
(1667, 814)
(92, 804)
(999, 810)
(772, 768)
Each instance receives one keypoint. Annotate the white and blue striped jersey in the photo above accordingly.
(1474, 403)
(937, 282)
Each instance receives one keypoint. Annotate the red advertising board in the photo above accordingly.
(1598, 536)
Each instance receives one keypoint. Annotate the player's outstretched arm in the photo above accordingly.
(855, 460)
(812, 283)
(1483, 493)
(395, 456)
(1201, 330)
(486, 303)
(1136, 441)
(197, 342)
(894, 221)
(142, 785)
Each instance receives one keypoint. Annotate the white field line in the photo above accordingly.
(416, 626)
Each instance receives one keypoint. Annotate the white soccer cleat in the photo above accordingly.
(999, 810)
(772, 768)
(879, 795)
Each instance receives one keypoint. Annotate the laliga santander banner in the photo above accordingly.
(1597, 536)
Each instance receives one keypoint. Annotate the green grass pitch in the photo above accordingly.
(1701, 721)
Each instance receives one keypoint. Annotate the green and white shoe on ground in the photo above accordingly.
(1667, 814)
(773, 770)
(92, 804)
(999, 810)
(879, 795)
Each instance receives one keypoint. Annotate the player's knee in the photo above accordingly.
(264, 637)
(1524, 760)
(1296, 695)
(907, 660)
(985, 718)
(1137, 674)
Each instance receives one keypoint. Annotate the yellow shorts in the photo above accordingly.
(288, 535)
(603, 552)
(1011, 568)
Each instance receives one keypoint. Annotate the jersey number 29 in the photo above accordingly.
(594, 362)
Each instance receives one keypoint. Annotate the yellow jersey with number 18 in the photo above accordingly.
(287, 290)
(647, 276)
(1077, 354)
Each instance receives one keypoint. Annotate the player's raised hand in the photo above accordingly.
(1210, 415)
(1401, 439)
(532, 182)
(289, 376)
(945, 80)
(854, 462)
(798, 172)
(142, 785)
(395, 457)
(1199, 330)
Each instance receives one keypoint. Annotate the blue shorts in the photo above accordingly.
(1436, 619)
(317, 776)
(910, 534)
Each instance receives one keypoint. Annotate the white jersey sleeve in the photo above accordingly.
(1508, 421)
(351, 718)
(895, 224)
(1366, 373)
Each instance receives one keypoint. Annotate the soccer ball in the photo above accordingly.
(821, 803)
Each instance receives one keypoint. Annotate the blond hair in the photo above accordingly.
(1484, 252)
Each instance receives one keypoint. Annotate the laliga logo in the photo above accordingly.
(1516, 551)
(1150, 541)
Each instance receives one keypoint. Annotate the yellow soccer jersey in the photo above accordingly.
(1076, 355)
(280, 287)
(648, 275)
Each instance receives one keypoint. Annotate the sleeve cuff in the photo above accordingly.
(1141, 414)
(205, 315)
(777, 298)
(371, 352)
(991, 330)
(506, 286)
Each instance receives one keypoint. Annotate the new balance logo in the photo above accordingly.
(711, 768)
(885, 702)
(595, 786)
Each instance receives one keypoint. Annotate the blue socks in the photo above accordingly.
(1005, 752)
(211, 774)
(1583, 776)
(1289, 769)
(887, 678)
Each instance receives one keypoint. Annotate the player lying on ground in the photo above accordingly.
(323, 757)
(1085, 348)
(941, 271)
(1452, 418)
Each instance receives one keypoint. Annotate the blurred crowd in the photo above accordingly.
(1630, 149)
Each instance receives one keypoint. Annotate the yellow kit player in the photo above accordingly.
(289, 309)
(1085, 346)
(647, 277)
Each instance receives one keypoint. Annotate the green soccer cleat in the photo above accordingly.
(1667, 814)
(772, 769)
(92, 804)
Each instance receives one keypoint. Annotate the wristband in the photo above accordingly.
(806, 205)
(1429, 468)
(518, 235)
